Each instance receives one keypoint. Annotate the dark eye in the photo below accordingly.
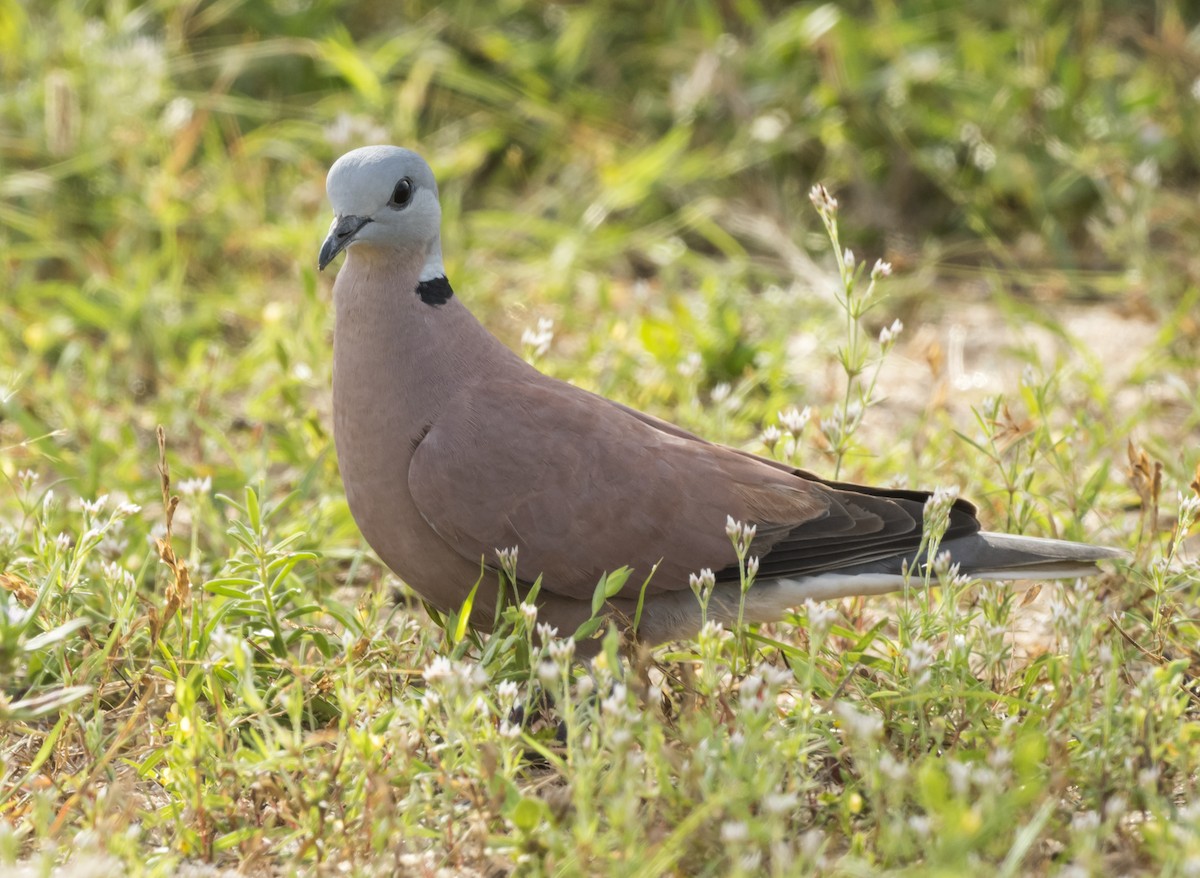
(402, 194)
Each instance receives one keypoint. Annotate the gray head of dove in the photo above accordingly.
(384, 197)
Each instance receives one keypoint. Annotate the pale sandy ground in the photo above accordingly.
(982, 357)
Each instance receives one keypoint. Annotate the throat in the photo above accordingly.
(435, 291)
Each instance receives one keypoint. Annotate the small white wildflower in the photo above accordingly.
(117, 575)
(767, 128)
(750, 861)
(889, 333)
(892, 768)
(825, 203)
(506, 692)
(530, 613)
(770, 437)
(1189, 507)
(93, 507)
(983, 156)
(539, 339)
(920, 657)
(127, 509)
(944, 567)
(811, 843)
(721, 392)
(881, 269)
(960, 776)
(509, 730)
(195, 487)
(752, 567)
(820, 617)
(691, 365)
(1148, 778)
(702, 583)
(548, 673)
(546, 632)
(740, 534)
(177, 113)
(866, 727)
(614, 704)
(27, 478)
(920, 824)
(751, 692)
(734, 832)
(439, 670)
(562, 651)
(779, 803)
(63, 541)
(508, 562)
(712, 631)
(1146, 174)
(1116, 806)
(794, 421)
(848, 258)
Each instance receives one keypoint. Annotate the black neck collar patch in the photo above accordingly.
(435, 291)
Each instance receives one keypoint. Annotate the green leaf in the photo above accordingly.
(527, 814)
(464, 615)
(253, 513)
(54, 635)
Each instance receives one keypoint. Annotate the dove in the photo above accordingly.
(451, 447)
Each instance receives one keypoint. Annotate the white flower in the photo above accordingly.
(739, 533)
(825, 203)
(960, 776)
(127, 509)
(779, 803)
(506, 692)
(889, 333)
(881, 269)
(547, 672)
(771, 436)
(530, 613)
(94, 506)
(562, 650)
(866, 727)
(793, 421)
(546, 632)
(820, 617)
(539, 339)
(702, 583)
(195, 487)
(920, 657)
(438, 670)
(734, 831)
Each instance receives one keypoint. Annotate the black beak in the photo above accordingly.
(340, 235)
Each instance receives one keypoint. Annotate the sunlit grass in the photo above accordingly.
(233, 683)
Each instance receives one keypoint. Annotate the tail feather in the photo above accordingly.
(1001, 557)
(1006, 557)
